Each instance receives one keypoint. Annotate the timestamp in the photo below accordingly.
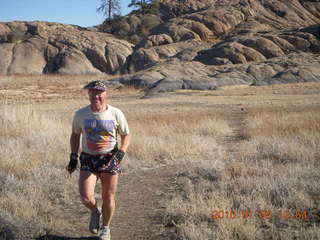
(231, 214)
(284, 214)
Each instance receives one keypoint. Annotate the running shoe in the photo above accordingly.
(95, 221)
(105, 234)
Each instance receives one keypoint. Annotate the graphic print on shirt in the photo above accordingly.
(99, 133)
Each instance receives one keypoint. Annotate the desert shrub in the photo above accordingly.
(17, 36)
(148, 22)
(133, 27)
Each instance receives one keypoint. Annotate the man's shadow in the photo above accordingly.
(57, 237)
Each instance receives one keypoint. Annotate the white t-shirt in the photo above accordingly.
(99, 130)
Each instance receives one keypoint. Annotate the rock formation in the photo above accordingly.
(41, 47)
(235, 42)
(190, 44)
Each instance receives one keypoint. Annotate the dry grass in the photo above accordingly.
(46, 88)
(285, 136)
(275, 168)
(46, 81)
(34, 150)
(175, 136)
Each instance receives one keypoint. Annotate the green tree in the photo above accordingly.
(110, 8)
(140, 4)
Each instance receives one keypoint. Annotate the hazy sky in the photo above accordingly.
(78, 12)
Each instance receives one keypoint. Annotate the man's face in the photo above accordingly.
(97, 97)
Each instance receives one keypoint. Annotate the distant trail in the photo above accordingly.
(237, 122)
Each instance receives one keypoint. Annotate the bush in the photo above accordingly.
(17, 36)
(153, 8)
(148, 22)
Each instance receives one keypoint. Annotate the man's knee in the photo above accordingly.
(85, 199)
(108, 196)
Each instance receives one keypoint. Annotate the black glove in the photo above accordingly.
(73, 162)
(118, 155)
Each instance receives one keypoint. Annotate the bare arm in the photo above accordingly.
(75, 142)
(125, 141)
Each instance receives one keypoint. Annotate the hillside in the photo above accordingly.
(188, 45)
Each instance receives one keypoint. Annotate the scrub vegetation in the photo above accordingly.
(251, 154)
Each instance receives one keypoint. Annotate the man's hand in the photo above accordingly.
(72, 163)
(118, 156)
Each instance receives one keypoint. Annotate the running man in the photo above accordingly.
(98, 123)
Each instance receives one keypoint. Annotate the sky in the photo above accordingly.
(77, 12)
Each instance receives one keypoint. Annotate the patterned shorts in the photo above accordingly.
(99, 163)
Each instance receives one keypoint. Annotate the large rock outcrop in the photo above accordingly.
(246, 42)
(41, 47)
(252, 59)
(189, 45)
(234, 50)
(233, 17)
(174, 74)
(171, 9)
(259, 47)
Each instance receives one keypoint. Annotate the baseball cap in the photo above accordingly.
(96, 85)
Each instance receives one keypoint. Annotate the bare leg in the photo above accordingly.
(109, 187)
(87, 183)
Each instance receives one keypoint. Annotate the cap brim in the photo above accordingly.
(97, 89)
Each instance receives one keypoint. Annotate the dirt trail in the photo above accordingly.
(139, 207)
(139, 203)
(237, 123)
